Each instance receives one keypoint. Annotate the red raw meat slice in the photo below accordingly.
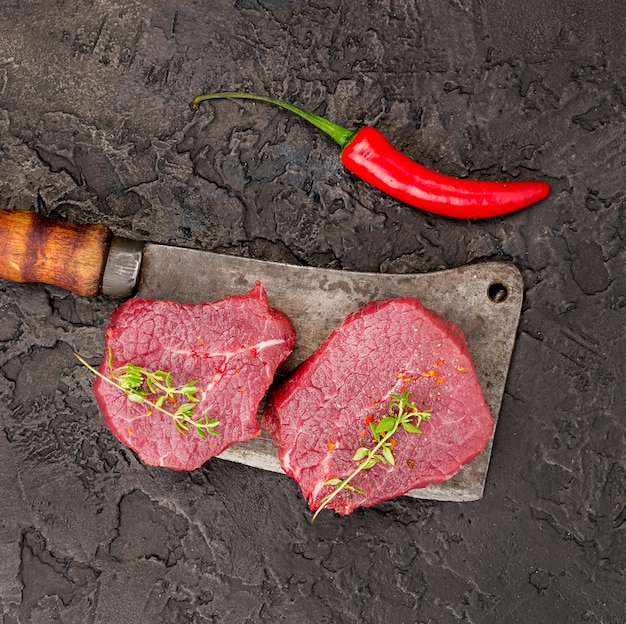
(318, 416)
(232, 347)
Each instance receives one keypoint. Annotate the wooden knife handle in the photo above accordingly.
(34, 248)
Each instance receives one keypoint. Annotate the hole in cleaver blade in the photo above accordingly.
(484, 299)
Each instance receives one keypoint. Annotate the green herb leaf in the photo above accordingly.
(371, 462)
(388, 455)
(154, 389)
(334, 481)
(360, 454)
(401, 413)
(386, 424)
(411, 428)
(186, 407)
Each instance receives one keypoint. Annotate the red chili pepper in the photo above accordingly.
(369, 155)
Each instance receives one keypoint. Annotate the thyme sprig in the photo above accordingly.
(154, 389)
(402, 413)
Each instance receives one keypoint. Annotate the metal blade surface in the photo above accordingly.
(484, 299)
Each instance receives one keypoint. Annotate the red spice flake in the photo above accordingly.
(410, 463)
(241, 389)
(330, 445)
(407, 378)
(369, 419)
(460, 368)
(148, 413)
(400, 374)
(440, 380)
(362, 433)
(201, 342)
(392, 442)
(440, 362)
(433, 372)
(129, 430)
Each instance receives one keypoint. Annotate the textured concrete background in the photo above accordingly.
(95, 127)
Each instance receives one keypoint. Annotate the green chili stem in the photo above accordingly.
(341, 135)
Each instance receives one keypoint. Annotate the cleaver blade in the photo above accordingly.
(484, 299)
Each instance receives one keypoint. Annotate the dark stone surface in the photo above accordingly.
(95, 126)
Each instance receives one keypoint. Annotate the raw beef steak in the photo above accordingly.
(232, 347)
(320, 415)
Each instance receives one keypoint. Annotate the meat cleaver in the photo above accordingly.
(484, 299)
